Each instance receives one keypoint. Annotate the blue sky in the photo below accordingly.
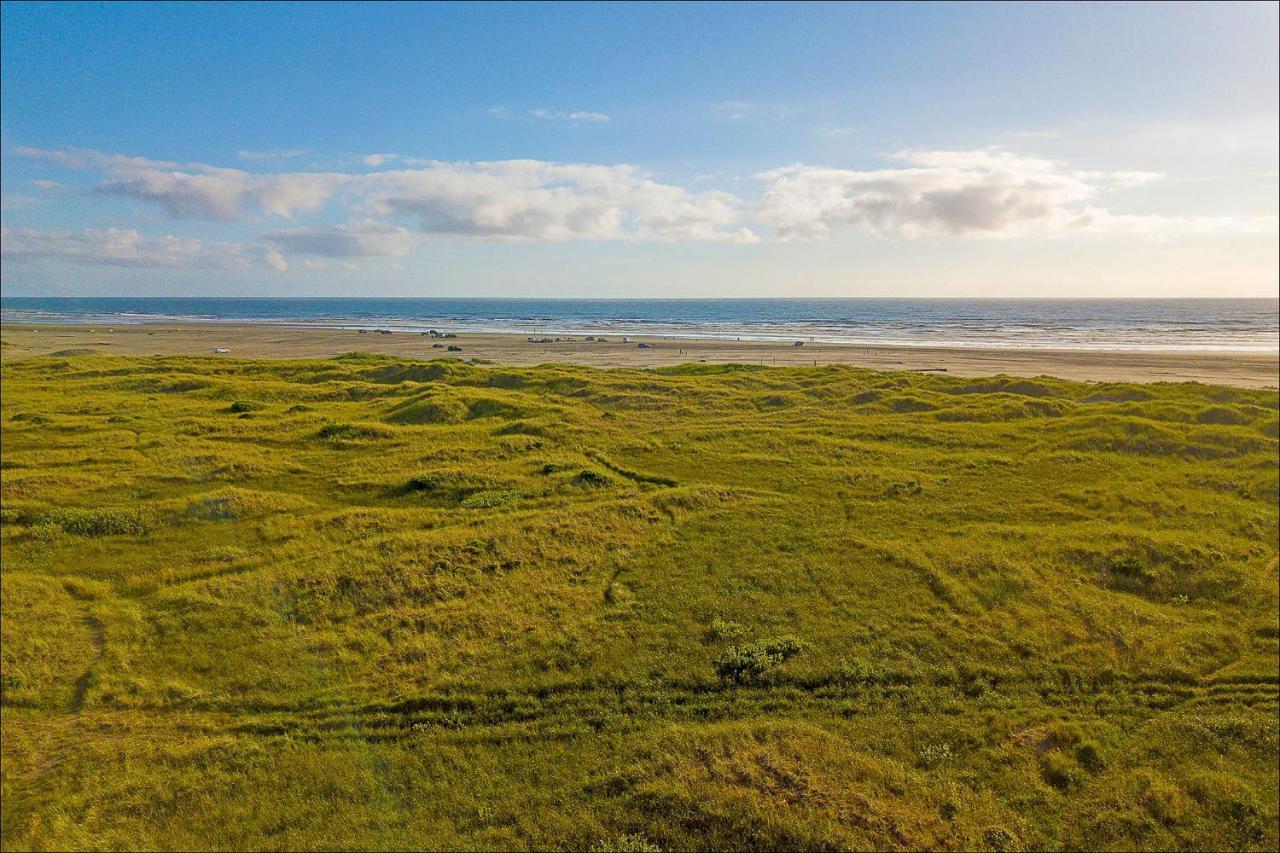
(640, 150)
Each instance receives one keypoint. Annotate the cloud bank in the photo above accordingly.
(126, 247)
(985, 193)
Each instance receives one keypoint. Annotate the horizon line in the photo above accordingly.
(1276, 298)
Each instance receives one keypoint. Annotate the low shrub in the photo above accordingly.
(594, 479)
(723, 630)
(935, 755)
(750, 663)
(105, 521)
(855, 671)
(1000, 839)
(422, 483)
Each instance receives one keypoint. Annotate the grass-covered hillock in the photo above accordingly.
(376, 603)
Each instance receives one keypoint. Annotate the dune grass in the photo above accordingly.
(374, 603)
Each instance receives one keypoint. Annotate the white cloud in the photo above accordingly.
(197, 190)
(223, 194)
(570, 116)
(520, 199)
(576, 116)
(537, 200)
(273, 260)
(838, 132)
(271, 156)
(376, 160)
(984, 193)
(87, 158)
(362, 240)
(1119, 180)
(747, 110)
(975, 193)
(120, 247)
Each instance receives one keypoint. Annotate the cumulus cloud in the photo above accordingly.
(974, 193)
(362, 240)
(985, 193)
(516, 199)
(223, 194)
(537, 200)
(198, 190)
(126, 247)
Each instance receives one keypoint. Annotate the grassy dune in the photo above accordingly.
(371, 603)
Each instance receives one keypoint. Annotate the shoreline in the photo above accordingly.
(1252, 369)
(667, 333)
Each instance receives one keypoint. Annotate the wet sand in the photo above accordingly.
(275, 341)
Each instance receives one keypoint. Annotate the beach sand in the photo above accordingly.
(278, 341)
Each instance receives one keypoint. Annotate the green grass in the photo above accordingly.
(373, 603)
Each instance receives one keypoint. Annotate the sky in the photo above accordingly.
(640, 150)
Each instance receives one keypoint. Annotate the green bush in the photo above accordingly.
(750, 663)
(422, 483)
(856, 671)
(107, 521)
(594, 479)
(723, 630)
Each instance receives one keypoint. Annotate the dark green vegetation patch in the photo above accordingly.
(373, 603)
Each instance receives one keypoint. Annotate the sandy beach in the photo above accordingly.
(1244, 369)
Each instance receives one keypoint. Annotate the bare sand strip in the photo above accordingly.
(1252, 370)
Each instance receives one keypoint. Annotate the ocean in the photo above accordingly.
(1119, 324)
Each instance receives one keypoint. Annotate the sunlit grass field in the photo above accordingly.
(373, 603)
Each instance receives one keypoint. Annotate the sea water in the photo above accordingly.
(1128, 324)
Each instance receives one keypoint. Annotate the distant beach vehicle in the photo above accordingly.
(221, 349)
